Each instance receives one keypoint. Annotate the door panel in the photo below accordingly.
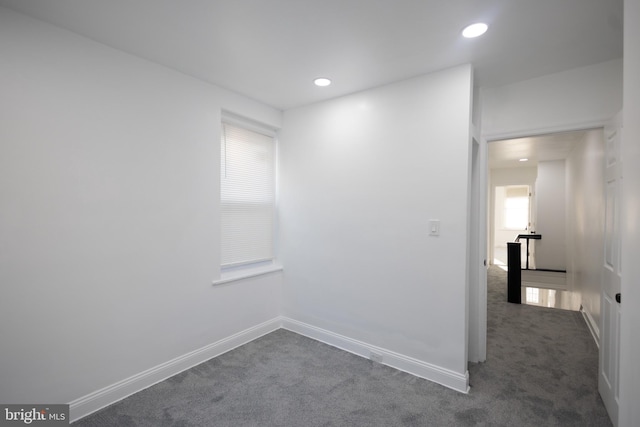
(608, 376)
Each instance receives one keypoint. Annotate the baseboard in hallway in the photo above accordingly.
(592, 325)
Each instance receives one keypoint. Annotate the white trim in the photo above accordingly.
(592, 325)
(113, 393)
(247, 123)
(476, 299)
(246, 273)
(569, 127)
(99, 399)
(437, 374)
(475, 132)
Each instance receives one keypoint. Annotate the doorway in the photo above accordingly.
(574, 163)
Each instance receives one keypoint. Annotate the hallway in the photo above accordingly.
(542, 364)
(543, 295)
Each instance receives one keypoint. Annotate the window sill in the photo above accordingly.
(233, 276)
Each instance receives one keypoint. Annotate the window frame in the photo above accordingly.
(504, 214)
(236, 271)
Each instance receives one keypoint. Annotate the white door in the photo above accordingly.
(609, 372)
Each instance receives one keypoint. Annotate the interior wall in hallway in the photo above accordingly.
(550, 196)
(570, 100)
(585, 222)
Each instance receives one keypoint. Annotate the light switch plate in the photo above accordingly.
(434, 227)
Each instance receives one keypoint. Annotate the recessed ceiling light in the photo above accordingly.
(524, 159)
(475, 30)
(322, 81)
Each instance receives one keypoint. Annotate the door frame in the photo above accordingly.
(480, 221)
(477, 254)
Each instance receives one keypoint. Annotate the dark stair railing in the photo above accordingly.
(514, 267)
(514, 273)
(528, 237)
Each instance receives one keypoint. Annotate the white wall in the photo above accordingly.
(360, 178)
(513, 176)
(585, 222)
(551, 215)
(580, 98)
(574, 99)
(630, 229)
(109, 223)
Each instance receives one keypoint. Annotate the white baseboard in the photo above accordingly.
(99, 399)
(592, 325)
(398, 361)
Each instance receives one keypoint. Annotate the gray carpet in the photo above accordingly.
(541, 370)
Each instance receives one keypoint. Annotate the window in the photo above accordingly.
(533, 295)
(516, 208)
(247, 195)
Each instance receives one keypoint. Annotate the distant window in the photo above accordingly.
(516, 208)
(247, 195)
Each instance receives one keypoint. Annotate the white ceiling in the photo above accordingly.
(271, 50)
(557, 146)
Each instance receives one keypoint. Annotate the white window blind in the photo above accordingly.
(516, 208)
(247, 196)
